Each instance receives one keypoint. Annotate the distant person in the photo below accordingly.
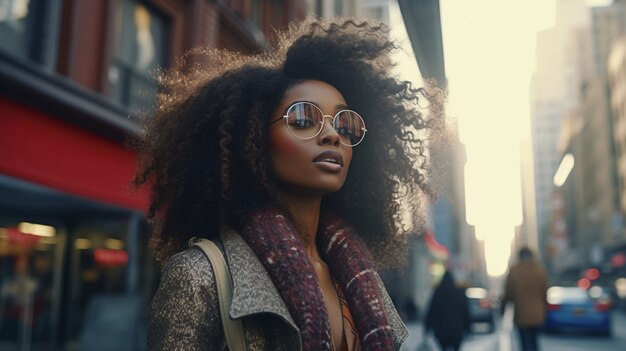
(448, 314)
(411, 310)
(526, 286)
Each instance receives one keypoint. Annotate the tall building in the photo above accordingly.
(590, 192)
(608, 24)
(585, 221)
(553, 91)
(617, 82)
(75, 76)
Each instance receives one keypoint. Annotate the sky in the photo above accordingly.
(489, 54)
(489, 50)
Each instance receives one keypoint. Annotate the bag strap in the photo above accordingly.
(233, 328)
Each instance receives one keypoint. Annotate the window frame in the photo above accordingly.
(173, 11)
(43, 49)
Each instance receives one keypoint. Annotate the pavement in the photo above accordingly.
(500, 340)
(504, 338)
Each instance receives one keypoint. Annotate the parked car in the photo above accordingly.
(480, 309)
(579, 310)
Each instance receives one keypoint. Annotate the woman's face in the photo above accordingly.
(310, 166)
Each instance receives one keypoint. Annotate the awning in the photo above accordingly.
(46, 151)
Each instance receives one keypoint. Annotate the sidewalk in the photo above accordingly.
(500, 340)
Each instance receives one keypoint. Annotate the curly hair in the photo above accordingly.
(205, 154)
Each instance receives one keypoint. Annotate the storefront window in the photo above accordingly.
(141, 40)
(75, 274)
(98, 262)
(28, 255)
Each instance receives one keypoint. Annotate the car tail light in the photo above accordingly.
(553, 307)
(484, 303)
(603, 306)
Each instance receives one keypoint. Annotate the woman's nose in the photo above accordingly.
(328, 134)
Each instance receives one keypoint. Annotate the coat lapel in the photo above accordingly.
(253, 290)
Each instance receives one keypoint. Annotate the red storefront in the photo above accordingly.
(72, 237)
(74, 76)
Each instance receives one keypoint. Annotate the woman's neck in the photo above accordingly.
(306, 214)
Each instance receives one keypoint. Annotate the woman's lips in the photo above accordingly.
(330, 161)
(329, 166)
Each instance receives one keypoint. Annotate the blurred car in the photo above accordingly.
(580, 310)
(480, 309)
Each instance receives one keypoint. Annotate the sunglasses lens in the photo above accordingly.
(304, 119)
(350, 126)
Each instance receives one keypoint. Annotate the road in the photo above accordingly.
(504, 339)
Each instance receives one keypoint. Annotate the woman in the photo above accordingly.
(294, 161)
(448, 314)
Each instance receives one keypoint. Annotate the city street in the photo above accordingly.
(503, 339)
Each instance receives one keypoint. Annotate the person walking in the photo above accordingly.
(448, 314)
(525, 287)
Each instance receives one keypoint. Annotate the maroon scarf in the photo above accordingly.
(277, 244)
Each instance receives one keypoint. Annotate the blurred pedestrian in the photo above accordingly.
(411, 310)
(525, 287)
(448, 314)
(253, 154)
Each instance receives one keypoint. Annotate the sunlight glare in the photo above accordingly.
(497, 247)
(489, 48)
(599, 2)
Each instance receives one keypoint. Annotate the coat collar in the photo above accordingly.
(256, 295)
(254, 292)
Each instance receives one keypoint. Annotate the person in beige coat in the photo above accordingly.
(526, 286)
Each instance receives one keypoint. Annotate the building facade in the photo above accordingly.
(76, 77)
(585, 226)
(554, 91)
(616, 254)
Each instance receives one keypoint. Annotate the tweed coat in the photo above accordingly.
(526, 286)
(184, 313)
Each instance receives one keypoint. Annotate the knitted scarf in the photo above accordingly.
(277, 244)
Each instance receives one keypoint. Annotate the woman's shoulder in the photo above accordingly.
(189, 265)
(189, 273)
(184, 310)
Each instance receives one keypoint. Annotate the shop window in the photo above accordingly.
(140, 47)
(28, 284)
(97, 266)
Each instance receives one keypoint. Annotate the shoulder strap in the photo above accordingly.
(233, 328)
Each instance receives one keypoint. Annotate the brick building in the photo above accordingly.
(74, 76)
